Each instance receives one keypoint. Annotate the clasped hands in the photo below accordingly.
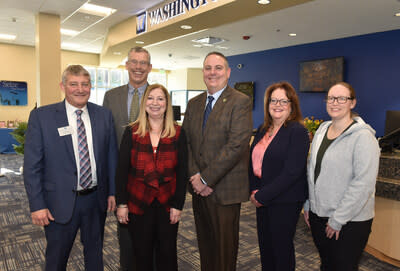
(199, 187)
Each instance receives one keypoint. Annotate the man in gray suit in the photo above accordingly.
(218, 127)
(124, 103)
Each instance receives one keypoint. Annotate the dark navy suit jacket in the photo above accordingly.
(50, 172)
(284, 176)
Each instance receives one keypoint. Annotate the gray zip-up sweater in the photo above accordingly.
(345, 188)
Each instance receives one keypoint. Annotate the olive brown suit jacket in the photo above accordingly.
(220, 153)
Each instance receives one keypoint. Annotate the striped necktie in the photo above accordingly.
(85, 179)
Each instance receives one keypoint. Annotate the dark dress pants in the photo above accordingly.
(217, 228)
(152, 233)
(87, 217)
(343, 254)
(126, 254)
(276, 226)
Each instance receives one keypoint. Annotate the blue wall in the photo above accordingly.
(372, 67)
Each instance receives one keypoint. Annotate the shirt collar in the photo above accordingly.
(141, 89)
(217, 94)
(71, 109)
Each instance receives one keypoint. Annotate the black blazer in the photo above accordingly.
(284, 175)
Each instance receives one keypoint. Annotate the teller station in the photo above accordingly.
(384, 242)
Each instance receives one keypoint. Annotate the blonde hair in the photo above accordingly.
(143, 122)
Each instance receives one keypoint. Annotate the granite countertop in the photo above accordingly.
(388, 182)
(388, 188)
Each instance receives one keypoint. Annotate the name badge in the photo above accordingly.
(63, 131)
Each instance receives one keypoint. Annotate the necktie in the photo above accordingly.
(134, 112)
(207, 111)
(85, 179)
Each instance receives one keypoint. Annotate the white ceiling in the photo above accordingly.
(317, 20)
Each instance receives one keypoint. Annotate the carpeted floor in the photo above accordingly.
(22, 244)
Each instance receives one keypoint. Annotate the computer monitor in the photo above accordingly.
(392, 121)
(391, 140)
(177, 112)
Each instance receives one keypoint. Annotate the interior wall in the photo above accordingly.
(195, 79)
(177, 80)
(19, 64)
(372, 67)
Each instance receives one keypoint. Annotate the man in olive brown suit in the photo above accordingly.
(218, 127)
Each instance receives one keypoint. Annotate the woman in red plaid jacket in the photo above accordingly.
(151, 181)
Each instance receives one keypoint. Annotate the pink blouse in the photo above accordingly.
(259, 151)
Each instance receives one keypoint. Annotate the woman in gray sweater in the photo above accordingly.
(342, 172)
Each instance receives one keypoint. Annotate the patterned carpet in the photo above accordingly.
(22, 244)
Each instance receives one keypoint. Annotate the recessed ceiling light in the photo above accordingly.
(397, 14)
(139, 42)
(186, 27)
(70, 45)
(264, 2)
(68, 32)
(8, 37)
(292, 34)
(96, 10)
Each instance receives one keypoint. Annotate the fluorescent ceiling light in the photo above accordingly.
(96, 10)
(209, 40)
(8, 37)
(70, 45)
(222, 47)
(292, 34)
(186, 27)
(264, 2)
(197, 45)
(68, 32)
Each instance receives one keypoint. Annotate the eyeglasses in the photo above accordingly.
(282, 102)
(140, 63)
(340, 99)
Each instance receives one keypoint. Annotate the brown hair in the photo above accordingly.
(295, 114)
(352, 95)
(75, 70)
(218, 54)
(142, 120)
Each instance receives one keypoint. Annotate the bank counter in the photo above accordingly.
(384, 241)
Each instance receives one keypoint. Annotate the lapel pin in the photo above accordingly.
(224, 100)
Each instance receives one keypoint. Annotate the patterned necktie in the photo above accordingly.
(134, 112)
(85, 179)
(207, 111)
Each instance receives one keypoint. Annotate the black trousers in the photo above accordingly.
(276, 226)
(126, 254)
(152, 233)
(343, 254)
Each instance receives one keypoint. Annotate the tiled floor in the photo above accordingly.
(22, 244)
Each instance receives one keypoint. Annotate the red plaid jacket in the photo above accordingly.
(152, 178)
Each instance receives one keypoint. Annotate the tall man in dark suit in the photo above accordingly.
(218, 127)
(124, 104)
(69, 168)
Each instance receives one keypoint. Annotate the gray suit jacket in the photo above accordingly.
(116, 101)
(221, 152)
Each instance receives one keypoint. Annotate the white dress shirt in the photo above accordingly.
(71, 114)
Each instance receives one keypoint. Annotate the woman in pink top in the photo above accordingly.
(277, 173)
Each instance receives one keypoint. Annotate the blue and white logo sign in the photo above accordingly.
(141, 22)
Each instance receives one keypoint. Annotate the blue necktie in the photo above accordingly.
(207, 111)
(85, 179)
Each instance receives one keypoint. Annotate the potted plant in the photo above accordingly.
(19, 135)
(311, 125)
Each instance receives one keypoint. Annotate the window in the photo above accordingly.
(103, 79)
